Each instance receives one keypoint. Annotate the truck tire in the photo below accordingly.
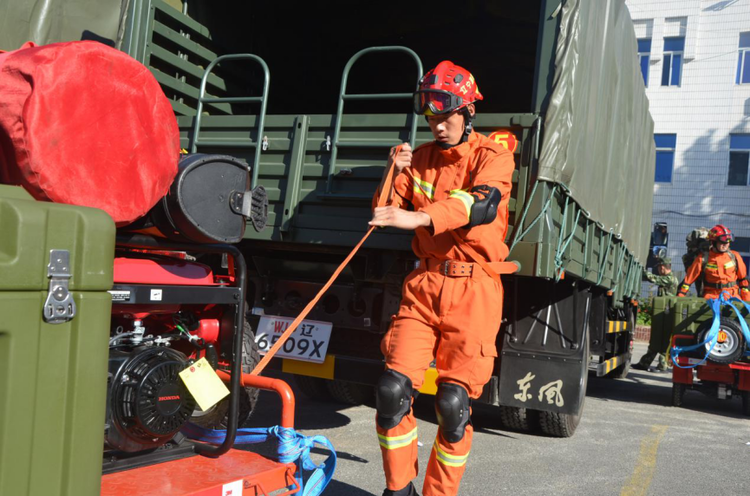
(745, 403)
(565, 424)
(731, 349)
(312, 387)
(678, 393)
(519, 419)
(217, 417)
(351, 393)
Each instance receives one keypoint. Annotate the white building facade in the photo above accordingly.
(695, 56)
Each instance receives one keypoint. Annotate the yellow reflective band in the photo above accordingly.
(395, 442)
(729, 265)
(464, 197)
(424, 188)
(712, 266)
(685, 287)
(449, 460)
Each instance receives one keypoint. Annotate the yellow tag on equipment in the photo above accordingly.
(204, 384)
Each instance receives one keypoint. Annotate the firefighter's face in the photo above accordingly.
(448, 128)
(722, 247)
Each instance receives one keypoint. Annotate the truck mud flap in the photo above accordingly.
(542, 383)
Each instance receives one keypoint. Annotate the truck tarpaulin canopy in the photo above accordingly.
(52, 21)
(599, 135)
(85, 124)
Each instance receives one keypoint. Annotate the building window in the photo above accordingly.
(665, 145)
(743, 62)
(672, 67)
(739, 153)
(644, 54)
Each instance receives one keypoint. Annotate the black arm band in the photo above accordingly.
(484, 209)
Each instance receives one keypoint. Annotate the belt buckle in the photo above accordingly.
(445, 267)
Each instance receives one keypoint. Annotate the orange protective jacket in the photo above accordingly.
(438, 183)
(720, 270)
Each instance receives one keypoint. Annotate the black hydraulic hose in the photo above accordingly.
(240, 273)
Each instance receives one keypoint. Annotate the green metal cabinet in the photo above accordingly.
(53, 376)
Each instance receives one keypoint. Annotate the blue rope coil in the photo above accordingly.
(293, 447)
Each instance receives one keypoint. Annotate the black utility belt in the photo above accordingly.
(720, 286)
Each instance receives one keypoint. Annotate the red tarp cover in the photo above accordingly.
(85, 124)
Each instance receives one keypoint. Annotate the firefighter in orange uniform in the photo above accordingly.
(722, 269)
(453, 192)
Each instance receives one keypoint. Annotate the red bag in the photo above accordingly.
(84, 124)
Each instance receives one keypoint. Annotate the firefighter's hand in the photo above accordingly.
(401, 157)
(745, 294)
(402, 219)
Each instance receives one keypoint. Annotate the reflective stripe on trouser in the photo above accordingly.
(453, 320)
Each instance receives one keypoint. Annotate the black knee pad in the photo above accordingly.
(392, 398)
(452, 406)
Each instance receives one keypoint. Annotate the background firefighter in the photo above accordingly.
(722, 269)
(451, 307)
(667, 283)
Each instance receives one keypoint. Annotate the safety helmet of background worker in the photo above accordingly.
(445, 89)
(721, 234)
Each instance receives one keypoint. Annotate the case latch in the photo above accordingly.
(59, 306)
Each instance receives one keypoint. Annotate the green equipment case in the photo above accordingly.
(56, 264)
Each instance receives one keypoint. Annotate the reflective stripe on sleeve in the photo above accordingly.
(449, 460)
(424, 188)
(464, 197)
(395, 442)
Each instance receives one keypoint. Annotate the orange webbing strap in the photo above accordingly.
(382, 199)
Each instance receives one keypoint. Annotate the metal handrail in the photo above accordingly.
(376, 96)
(263, 99)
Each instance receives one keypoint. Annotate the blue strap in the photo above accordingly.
(713, 333)
(293, 448)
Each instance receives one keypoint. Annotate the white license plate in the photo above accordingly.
(309, 342)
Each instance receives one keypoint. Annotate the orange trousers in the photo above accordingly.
(454, 321)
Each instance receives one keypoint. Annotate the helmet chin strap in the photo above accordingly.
(468, 128)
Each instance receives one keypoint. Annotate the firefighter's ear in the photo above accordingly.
(472, 109)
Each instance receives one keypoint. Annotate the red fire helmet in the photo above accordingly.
(444, 89)
(505, 138)
(720, 233)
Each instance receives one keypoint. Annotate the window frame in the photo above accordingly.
(743, 148)
(670, 55)
(665, 149)
(743, 51)
(644, 55)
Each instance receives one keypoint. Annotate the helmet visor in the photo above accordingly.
(435, 102)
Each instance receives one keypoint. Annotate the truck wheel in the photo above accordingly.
(745, 403)
(728, 351)
(312, 387)
(217, 416)
(565, 424)
(678, 393)
(351, 393)
(519, 419)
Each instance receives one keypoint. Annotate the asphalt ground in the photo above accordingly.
(631, 441)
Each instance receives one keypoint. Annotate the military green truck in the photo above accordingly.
(313, 94)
